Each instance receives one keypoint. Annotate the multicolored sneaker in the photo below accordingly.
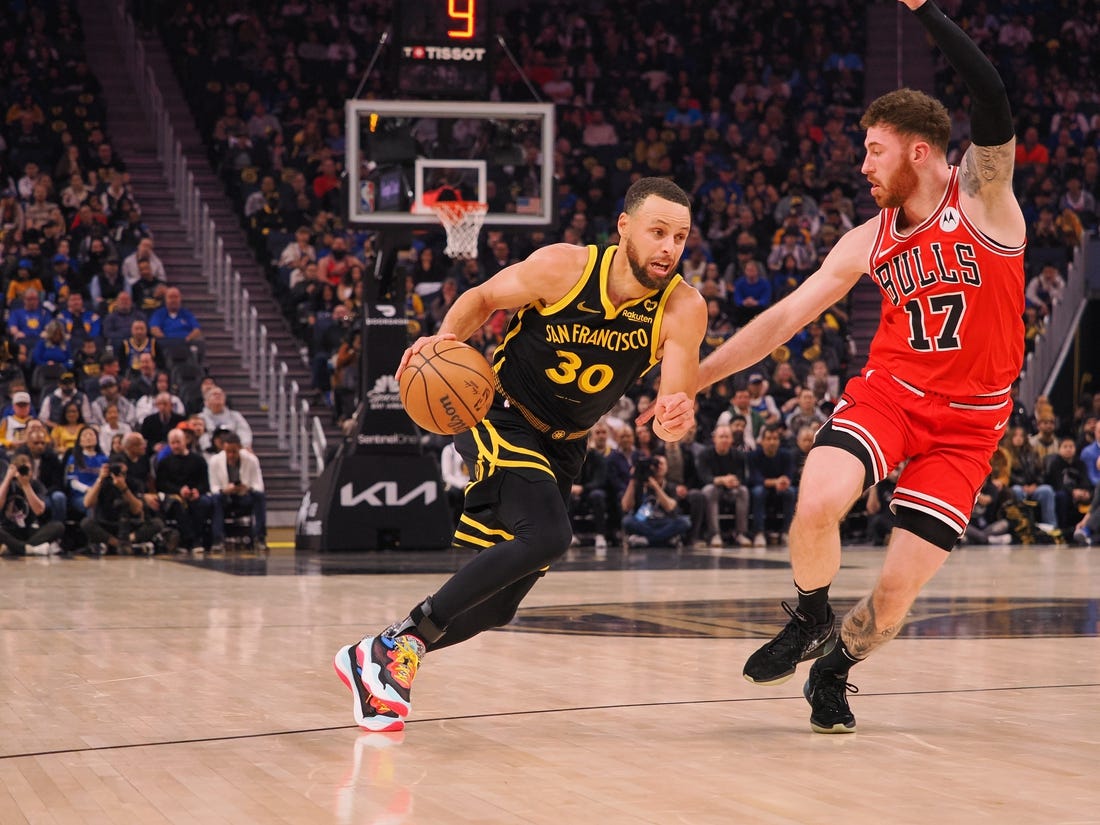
(390, 669)
(370, 714)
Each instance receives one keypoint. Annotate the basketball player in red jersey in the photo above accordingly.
(947, 251)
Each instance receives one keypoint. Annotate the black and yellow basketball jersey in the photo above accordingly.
(566, 364)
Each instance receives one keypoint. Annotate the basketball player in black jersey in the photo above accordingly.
(590, 321)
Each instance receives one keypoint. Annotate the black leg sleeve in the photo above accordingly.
(534, 512)
(990, 114)
(495, 611)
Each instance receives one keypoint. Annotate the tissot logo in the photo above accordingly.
(465, 55)
(387, 494)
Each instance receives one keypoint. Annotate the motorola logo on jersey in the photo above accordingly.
(921, 267)
(949, 219)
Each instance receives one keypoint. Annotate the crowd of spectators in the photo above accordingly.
(96, 342)
(752, 108)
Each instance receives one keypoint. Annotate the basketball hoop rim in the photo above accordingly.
(452, 212)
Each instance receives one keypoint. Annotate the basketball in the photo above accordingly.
(447, 387)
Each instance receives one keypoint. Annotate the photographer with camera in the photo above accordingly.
(652, 514)
(117, 512)
(25, 525)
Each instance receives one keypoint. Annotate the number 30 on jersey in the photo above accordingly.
(591, 379)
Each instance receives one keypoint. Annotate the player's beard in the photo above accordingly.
(901, 186)
(641, 270)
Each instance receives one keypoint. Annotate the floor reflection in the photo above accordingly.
(947, 618)
(447, 561)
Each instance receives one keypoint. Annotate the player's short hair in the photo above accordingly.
(661, 187)
(911, 113)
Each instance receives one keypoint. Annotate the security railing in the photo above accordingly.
(297, 431)
(1043, 362)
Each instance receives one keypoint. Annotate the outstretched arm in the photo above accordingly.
(987, 165)
(839, 272)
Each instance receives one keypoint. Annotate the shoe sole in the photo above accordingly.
(377, 723)
(784, 677)
(372, 680)
(839, 727)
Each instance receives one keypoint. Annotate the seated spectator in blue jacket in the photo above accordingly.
(27, 322)
(752, 294)
(174, 321)
(52, 347)
(82, 467)
(80, 323)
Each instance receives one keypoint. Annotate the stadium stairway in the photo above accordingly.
(897, 54)
(134, 141)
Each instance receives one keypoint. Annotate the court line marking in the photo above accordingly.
(514, 713)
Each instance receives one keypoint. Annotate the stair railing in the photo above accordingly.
(1042, 363)
(288, 414)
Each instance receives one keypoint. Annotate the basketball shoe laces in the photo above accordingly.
(830, 694)
(795, 635)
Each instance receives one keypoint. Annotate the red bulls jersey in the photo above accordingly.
(952, 303)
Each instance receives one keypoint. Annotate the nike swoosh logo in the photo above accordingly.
(1001, 426)
(583, 308)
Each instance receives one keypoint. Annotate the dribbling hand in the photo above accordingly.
(673, 416)
(418, 345)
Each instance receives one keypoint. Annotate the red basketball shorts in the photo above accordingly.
(948, 442)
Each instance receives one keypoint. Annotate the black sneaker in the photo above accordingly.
(827, 693)
(799, 641)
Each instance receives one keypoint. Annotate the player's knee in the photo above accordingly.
(545, 539)
(822, 512)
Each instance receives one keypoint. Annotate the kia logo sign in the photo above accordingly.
(385, 494)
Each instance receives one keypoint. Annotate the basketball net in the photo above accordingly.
(463, 221)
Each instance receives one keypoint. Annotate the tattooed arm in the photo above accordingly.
(986, 176)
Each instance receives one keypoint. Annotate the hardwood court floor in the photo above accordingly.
(155, 691)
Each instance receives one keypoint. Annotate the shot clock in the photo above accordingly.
(442, 49)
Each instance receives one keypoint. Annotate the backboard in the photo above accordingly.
(402, 153)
